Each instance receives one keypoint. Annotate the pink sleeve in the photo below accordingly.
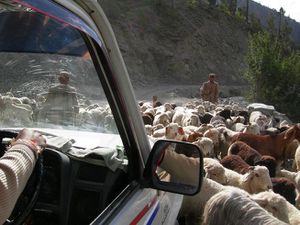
(16, 166)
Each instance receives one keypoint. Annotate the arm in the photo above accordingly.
(185, 169)
(217, 92)
(16, 166)
(15, 169)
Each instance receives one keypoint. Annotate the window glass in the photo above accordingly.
(48, 77)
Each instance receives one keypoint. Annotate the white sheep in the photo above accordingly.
(206, 145)
(162, 118)
(214, 170)
(232, 206)
(260, 119)
(192, 206)
(190, 119)
(171, 131)
(214, 135)
(174, 131)
(252, 128)
(218, 138)
(13, 112)
(148, 129)
(257, 179)
(278, 206)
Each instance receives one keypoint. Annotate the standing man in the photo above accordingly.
(209, 90)
(61, 105)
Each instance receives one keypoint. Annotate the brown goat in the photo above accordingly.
(273, 145)
(236, 163)
(253, 157)
(247, 153)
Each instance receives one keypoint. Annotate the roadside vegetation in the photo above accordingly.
(274, 69)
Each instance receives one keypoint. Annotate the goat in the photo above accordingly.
(270, 145)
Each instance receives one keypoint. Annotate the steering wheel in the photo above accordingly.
(29, 196)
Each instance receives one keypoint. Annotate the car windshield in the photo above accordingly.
(48, 79)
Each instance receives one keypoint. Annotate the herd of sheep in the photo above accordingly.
(251, 155)
(251, 160)
(24, 111)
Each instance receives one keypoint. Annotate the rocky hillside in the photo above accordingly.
(180, 44)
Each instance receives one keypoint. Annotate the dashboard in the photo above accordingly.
(71, 192)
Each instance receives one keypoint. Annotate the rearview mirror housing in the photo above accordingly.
(174, 166)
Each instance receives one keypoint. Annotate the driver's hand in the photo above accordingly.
(31, 137)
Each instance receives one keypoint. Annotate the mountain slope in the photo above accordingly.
(178, 45)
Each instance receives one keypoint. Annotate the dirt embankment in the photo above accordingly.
(166, 46)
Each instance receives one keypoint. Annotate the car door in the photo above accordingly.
(137, 201)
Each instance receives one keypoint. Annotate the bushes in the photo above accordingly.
(274, 73)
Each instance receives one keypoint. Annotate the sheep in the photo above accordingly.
(205, 119)
(259, 118)
(178, 115)
(173, 131)
(218, 121)
(231, 207)
(252, 128)
(162, 118)
(270, 202)
(235, 163)
(270, 145)
(192, 206)
(239, 127)
(147, 119)
(278, 206)
(248, 154)
(149, 129)
(269, 162)
(200, 109)
(88, 115)
(214, 170)
(216, 137)
(206, 145)
(193, 136)
(20, 112)
(225, 113)
(295, 178)
(204, 127)
(285, 187)
(158, 133)
(190, 119)
(255, 180)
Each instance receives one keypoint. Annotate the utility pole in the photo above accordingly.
(281, 13)
(247, 11)
(173, 4)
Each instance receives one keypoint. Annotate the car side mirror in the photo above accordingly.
(174, 166)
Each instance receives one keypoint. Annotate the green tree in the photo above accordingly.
(274, 70)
